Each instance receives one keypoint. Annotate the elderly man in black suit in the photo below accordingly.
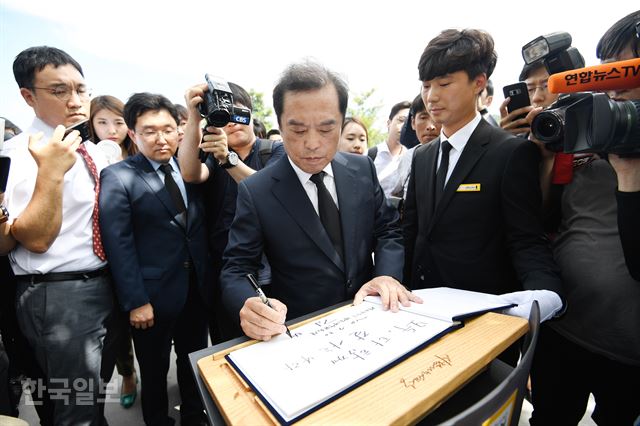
(317, 214)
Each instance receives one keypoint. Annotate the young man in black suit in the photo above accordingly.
(154, 235)
(472, 214)
(317, 214)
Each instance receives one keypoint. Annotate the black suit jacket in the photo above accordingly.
(274, 215)
(149, 249)
(488, 240)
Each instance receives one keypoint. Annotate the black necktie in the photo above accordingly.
(329, 214)
(172, 188)
(441, 174)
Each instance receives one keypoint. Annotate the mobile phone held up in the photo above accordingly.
(82, 127)
(519, 97)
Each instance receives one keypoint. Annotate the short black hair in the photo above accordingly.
(140, 103)
(273, 132)
(399, 107)
(241, 96)
(452, 50)
(417, 106)
(182, 111)
(307, 76)
(528, 69)
(35, 59)
(625, 32)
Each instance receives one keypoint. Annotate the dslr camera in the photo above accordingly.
(217, 107)
(584, 121)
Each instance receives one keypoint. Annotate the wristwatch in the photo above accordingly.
(231, 161)
(4, 214)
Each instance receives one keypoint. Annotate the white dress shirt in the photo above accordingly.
(387, 167)
(310, 187)
(72, 250)
(458, 141)
(404, 170)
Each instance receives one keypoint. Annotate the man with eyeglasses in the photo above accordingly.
(154, 235)
(64, 299)
(536, 76)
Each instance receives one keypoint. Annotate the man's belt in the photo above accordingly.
(63, 276)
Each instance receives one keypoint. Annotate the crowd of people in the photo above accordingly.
(129, 251)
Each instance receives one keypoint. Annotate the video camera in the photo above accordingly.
(585, 121)
(217, 107)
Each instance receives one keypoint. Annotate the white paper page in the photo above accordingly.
(329, 355)
(446, 303)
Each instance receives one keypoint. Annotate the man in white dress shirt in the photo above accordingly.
(64, 296)
(386, 155)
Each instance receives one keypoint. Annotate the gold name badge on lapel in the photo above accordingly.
(469, 187)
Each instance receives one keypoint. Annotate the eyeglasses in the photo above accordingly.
(532, 89)
(64, 92)
(154, 134)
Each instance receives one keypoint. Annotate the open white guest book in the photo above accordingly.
(330, 356)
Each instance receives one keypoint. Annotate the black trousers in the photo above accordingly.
(153, 347)
(564, 374)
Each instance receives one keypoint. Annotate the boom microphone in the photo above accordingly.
(612, 76)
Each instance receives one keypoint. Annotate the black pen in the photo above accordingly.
(263, 297)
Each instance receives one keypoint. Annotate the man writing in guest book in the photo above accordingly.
(317, 214)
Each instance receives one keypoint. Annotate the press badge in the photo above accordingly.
(469, 187)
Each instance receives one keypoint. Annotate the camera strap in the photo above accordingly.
(265, 148)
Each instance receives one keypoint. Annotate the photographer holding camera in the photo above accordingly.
(595, 347)
(233, 152)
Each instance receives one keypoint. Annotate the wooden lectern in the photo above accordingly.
(403, 394)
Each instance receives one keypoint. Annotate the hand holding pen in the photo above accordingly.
(265, 301)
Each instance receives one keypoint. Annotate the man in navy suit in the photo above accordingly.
(154, 237)
(473, 209)
(317, 214)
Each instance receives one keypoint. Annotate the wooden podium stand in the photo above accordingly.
(402, 395)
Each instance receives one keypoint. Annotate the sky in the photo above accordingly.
(167, 47)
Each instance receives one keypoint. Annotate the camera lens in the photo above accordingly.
(547, 126)
(219, 118)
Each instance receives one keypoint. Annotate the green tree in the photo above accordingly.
(364, 107)
(260, 110)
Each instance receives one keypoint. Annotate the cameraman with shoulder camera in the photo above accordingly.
(615, 46)
(595, 347)
(233, 153)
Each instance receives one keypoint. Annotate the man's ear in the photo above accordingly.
(28, 96)
(480, 83)
(132, 136)
(413, 122)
